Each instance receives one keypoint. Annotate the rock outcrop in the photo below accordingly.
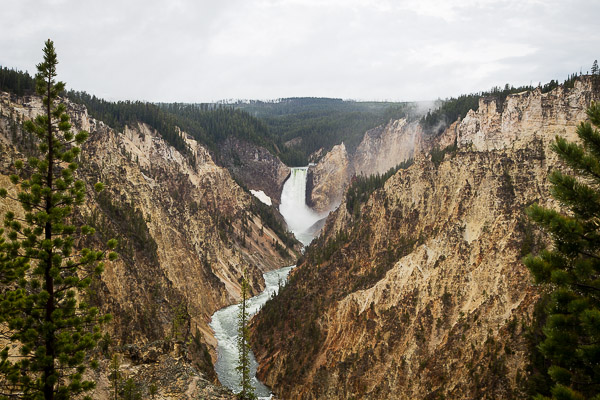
(525, 117)
(327, 180)
(186, 232)
(386, 146)
(424, 295)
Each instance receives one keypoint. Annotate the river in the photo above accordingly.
(301, 221)
(225, 324)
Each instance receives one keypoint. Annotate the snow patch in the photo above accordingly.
(262, 196)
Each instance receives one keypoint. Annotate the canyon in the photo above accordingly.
(419, 292)
(422, 292)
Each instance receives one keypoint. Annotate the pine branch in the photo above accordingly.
(38, 207)
(582, 285)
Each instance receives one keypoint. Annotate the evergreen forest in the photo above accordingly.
(308, 124)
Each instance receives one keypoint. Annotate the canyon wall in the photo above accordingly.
(423, 295)
(386, 146)
(327, 180)
(381, 148)
(254, 166)
(186, 233)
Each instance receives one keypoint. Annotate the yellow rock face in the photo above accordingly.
(329, 179)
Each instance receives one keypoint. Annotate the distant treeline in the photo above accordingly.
(434, 122)
(209, 124)
(121, 113)
(291, 129)
(17, 82)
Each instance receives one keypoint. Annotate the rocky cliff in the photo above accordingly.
(386, 146)
(327, 180)
(381, 148)
(423, 294)
(254, 166)
(186, 232)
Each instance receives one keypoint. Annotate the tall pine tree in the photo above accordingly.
(571, 268)
(247, 391)
(49, 327)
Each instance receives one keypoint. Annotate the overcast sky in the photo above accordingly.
(197, 50)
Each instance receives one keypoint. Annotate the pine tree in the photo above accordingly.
(153, 391)
(50, 329)
(131, 390)
(571, 268)
(247, 391)
(115, 375)
(595, 69)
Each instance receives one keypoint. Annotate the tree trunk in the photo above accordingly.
(49, 369)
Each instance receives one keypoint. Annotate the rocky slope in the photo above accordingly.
(186, 232)
(386, 146)
(430, 298)
(255, 167)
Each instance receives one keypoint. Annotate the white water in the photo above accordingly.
(299, 217)
(301, 221)
(225, 324)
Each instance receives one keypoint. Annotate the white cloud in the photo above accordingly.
(188, 50)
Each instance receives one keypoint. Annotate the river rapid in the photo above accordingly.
(225, 324)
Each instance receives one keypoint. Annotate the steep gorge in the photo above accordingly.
(186, 232)
(423, 294)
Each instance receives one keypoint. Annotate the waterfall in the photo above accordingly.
(299, 217)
